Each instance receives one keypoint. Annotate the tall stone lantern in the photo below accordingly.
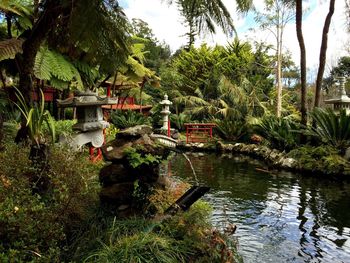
(165, 112)
(90, 123)
(341, 101)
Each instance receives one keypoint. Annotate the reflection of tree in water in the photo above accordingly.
(328, 203)
(265, 203)
(226, 174)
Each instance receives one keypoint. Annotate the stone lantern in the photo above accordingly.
(341, 101)
(165, 112)
(90, 123)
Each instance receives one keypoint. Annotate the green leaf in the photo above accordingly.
(10, 47)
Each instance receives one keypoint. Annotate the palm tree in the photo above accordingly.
(202, 15)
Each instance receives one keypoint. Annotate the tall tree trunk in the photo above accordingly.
(279, 72)
(9, 26)
(323, 53)
(1, 130)
(299, 19)
(31, 45)
(141, 90)
(36, 9)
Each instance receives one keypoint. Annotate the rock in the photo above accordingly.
(117, 193)
(220, 146)
(228, 147)
(115, 173)
(134, 132)
(123, 207)
(175, 135)
(256, 139)
(288, 162)
(274, 155)
(237, 146)
(114, 150)
(347, 154)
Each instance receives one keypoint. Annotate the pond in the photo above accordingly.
(280, 216)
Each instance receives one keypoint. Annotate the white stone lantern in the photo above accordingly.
(165, 112)
(342, 101)
(90, 123)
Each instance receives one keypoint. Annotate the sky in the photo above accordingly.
(167, 25)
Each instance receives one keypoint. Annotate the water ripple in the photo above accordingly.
(280, 217)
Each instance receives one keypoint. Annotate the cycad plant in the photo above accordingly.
(330, 128)
(281, 133)
(126, 119)
(231, 130)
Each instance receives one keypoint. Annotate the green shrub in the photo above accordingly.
(140, 247)
(185, 237)
(231, 130)
(111, 132)
(178, 121)
(137, 159)
(10, 130)
(126, 119)
(321, 158)
(330, 128)
(37, 226)
(62, 127)
(281, 133)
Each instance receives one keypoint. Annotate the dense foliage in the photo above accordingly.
(331, 128)
(321, 158)
(54, 215)
(125, 119)
(40, 211)
(281, 133)
(181, 238)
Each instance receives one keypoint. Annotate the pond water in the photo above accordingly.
(280, 216)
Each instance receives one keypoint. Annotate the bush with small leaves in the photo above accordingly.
(38, 225)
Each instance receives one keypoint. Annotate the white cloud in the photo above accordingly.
(167, 25)
(164, 20)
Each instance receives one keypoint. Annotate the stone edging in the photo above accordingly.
(272, 157)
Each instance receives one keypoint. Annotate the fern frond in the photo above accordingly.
(51, 65)
(42, 67)
(10, 47)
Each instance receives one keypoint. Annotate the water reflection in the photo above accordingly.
(281, 217)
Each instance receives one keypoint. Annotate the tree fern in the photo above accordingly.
(42, 67)
(10, 47)
(17, 7)
(51, 65)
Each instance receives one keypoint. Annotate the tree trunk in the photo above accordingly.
(9, 26)
(299, 19)
(141, 89)
(323, 53)
(31, 45)
(1, 130)
(279, 72)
